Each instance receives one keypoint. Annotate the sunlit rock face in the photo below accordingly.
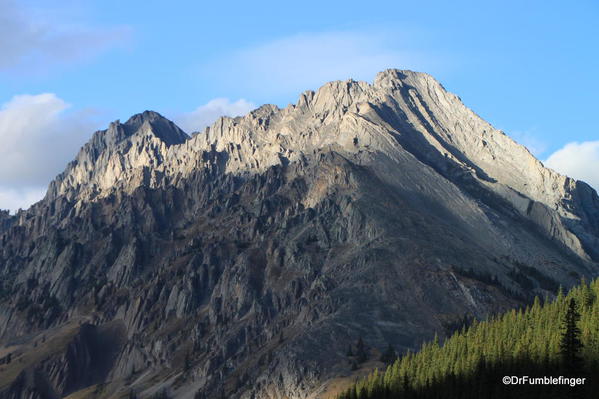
(244, 260)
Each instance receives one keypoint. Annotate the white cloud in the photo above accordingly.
(13, 199)
(530, 140)
(206, 114)
(32, 38)
(293, 64)
(38, 136)
(577, 160)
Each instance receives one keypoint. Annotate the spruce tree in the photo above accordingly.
(389, 355)
(570, 344)
(559, 337)
(361, 353)
(588, 297)
(187, 362)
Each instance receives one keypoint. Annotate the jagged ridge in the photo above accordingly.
(402, 111)
(258, 249)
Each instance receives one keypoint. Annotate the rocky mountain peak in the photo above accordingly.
(402, 112)
(158, 125)
(244, 261)
(401, 75)
(124, 151)
(337, 114)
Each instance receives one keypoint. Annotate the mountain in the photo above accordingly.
(244, 260)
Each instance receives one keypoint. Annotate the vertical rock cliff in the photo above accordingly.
(244, 260)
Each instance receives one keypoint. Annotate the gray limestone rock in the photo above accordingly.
(245, 259)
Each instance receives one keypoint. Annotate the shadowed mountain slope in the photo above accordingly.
(244, 260)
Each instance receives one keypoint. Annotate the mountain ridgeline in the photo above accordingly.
(243, 260)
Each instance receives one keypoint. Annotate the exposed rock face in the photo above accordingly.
(245, 259)
(125, 153)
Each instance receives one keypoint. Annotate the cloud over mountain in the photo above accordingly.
(291, 64)
(206, 114)
(38, 135)
(578, 160)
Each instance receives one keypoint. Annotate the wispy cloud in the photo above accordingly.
(38, 136)
(530, 140)
(293, 64)
(206, 114)
(33, 39)
(577, 160)
(14, 199)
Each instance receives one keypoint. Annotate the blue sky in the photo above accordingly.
(69, 67)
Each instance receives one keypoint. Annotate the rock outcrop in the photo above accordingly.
(244, 260)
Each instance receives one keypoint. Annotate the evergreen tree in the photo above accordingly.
(539, 340)
(588, 297)
(388, 356)
(570, 344)
(163, 394)
(187, 362)
(361, 353)
(349, 351)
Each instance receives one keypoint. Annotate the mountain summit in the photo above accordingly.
(245, 260)
(114, 153)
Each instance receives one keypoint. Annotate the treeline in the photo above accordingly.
(557, 338)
